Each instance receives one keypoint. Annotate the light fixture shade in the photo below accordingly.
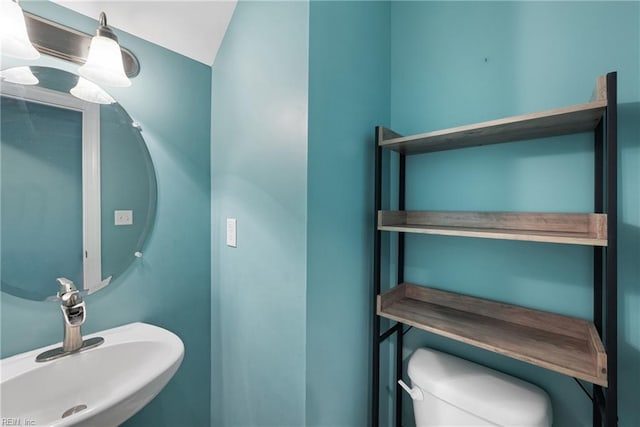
(14, 40)
(104, 63)
(91, 92)
(19, 75)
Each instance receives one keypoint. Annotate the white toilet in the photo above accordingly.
(449, 391)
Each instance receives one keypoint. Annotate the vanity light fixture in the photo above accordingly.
(91, 92)
(19, 75)
(104, 62)
(14, 40)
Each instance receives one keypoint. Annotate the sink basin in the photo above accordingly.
(102, 386)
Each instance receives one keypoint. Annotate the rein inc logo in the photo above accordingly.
(17, 422)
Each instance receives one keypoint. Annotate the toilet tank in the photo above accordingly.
(457, 392)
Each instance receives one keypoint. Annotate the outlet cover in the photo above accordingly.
(123, 217)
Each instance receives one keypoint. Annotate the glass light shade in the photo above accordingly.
(19, 75)
(91, 92)
(104, 63)
(14, 40)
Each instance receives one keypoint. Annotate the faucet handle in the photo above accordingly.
(66, 286)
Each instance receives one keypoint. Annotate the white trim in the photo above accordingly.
(91, 217)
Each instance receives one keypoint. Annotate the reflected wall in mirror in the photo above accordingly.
(47, 193)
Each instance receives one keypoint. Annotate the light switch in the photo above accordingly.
(123, 217)
(231, 232)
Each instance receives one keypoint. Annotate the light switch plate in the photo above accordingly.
(231, 232)
(123, 217)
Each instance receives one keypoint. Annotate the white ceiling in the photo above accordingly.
(192, 28)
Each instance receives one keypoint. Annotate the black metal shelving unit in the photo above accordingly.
(600, 117)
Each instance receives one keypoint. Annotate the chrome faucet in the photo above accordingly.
(74, 313)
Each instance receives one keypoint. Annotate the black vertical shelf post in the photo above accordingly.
(399, 329)
(611, 270)
(377, 337)
(376, 340)
(605, 260)
(598, 260)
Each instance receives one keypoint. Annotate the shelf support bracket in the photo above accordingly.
(390, 332)
(583, 389)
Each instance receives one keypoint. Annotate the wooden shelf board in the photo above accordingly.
(562, 344)
(569, 228)
(522, 235)
(561, 121)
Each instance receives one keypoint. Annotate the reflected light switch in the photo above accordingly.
(231, 232)
(123, 217)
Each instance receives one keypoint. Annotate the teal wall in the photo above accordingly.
(304, 236)
(349, 47)
(463, 62)
(170, 285)
(259, 177)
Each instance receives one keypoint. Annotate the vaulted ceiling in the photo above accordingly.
(192, 28)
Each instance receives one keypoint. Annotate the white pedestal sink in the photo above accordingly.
(102, 386)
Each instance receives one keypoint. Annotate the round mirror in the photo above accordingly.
(78, 187)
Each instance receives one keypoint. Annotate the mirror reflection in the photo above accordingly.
(58, 217)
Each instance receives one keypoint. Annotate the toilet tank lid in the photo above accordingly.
(481, 391)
